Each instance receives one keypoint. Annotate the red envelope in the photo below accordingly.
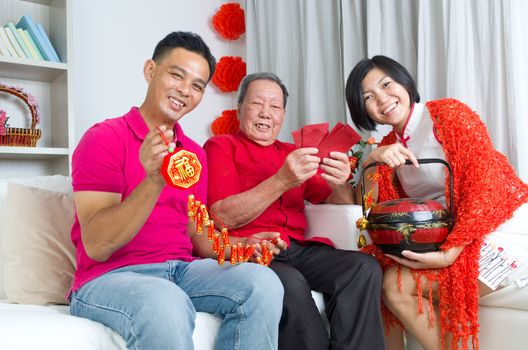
(313, 134)
(341, 139)
(297, 138)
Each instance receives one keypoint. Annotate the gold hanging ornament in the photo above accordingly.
(198, 213)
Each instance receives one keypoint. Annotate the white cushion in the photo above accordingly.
(335, 222)
(58, 183)
(52, 328)
(500, 328)
(39, 257)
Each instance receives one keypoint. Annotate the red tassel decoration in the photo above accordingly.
(210, 230)
(225, 237)
(268, 258)
(249, 252)
(221, 255)
(240, 251)
(191, 208)
(234, 255)
(216, 243)
(264, 251)
(205, 215)
(199, 222)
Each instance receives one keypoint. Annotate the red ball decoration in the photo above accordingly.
(229, 73)
(227, 123)
(229, 21)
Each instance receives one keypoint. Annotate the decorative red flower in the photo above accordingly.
(229, 21)
(227, 123)
(229, 72)
(353, 163)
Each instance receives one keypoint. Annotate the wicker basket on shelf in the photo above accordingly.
(25, 137)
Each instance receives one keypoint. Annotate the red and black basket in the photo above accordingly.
(419, 225)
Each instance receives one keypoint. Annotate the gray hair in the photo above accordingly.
(260, 76)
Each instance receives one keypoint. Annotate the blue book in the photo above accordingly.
(48, 42)
(26, 22)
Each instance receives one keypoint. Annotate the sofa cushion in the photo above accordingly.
(57, 183)
(38, 255)
(52, 328)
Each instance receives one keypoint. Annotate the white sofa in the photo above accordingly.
(29, 326)
(34, 201)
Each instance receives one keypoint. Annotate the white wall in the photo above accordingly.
(113, 38)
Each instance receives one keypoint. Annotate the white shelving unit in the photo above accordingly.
(49, 82)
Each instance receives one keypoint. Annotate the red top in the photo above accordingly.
(107, 160)
(237, 164)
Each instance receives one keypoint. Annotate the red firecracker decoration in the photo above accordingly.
(229, 73)
(227, 123)
(229, 21)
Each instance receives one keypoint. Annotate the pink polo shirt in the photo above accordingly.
(107, 160)
(237, 164)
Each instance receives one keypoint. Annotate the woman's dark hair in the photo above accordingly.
(354, 89)
(188, 41)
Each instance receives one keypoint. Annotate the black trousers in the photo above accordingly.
(351, 284)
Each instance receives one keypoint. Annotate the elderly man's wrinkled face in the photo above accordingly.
(262, 112)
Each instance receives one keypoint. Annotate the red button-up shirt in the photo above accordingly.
(237, 164)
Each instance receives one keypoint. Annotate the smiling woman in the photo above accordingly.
(381, 91)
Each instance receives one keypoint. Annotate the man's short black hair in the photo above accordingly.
(188, 41)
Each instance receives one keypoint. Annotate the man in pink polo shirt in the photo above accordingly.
(136, 272)
(258, 185)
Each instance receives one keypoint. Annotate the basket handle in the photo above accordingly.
(24, 97)
(408, 162)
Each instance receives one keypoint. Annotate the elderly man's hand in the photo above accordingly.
(299, 166)
(336, 169)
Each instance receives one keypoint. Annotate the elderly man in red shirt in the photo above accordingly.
(257, 188)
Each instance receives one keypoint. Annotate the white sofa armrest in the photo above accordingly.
(335, 222)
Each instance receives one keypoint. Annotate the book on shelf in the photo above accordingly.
(7, 42)
(34, 53)
(14, 43)
(19, 39)
(27, 23)
(3, 48)
(56, 57)
(32, 41)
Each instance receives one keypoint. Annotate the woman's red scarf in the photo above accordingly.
(486, 192)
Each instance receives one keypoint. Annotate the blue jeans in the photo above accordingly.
(153, 306)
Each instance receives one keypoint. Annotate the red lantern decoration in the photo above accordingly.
(229, 21)
(227, 123)
(229, 73)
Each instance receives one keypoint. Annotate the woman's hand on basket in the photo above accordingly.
(393, 155)
(430, 260)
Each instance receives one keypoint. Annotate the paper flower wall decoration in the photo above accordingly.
(229, 21)
(227, 123)
(229, 72)
(3, 122)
